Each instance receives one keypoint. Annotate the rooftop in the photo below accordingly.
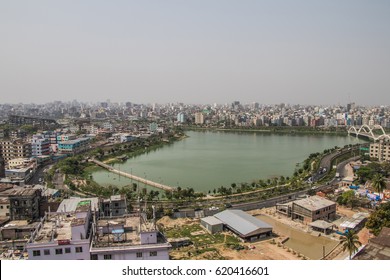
(122, 232)
(211, 220)
(20, 224)
(4, 187)
(354, 221)
(23, 192)
(314, 203)
(72, 204)
(241, 222)
(321, 224)
(378, 247)
(57, 226)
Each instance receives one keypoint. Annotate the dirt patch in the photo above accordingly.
(168, 222)
(262, 250)
(200, 232)
(79, 183)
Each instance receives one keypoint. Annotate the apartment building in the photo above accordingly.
(24, 204)
(15, 149)
(40, 146)
(115, 206)
(380, 150)
(73, 146)
(199, 118)
(63, 235)
(128, 238)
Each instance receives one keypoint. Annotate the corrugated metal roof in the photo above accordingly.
(212, 220)
(241, 221)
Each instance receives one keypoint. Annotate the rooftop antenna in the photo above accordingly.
(139, 209)
(154, 216)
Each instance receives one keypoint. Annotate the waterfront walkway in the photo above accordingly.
(131, 176)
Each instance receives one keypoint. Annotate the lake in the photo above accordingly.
(208, 159)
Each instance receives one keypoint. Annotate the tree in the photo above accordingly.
(348, 198)
(350, 241)
(378, 183)
(379, 219)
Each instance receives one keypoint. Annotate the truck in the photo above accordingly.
(337, 175)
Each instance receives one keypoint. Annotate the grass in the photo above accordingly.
(201, 239)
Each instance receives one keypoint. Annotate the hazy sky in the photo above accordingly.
(308, 52)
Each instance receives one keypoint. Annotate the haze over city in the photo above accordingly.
(270, 52)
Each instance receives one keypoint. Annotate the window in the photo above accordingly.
(107, 257)
(67, 250)
(79, 249)
(153, 254)
(139, 254)
(94, 257)
(1, 207)
(46, 252)
(58, 251)
(36, 253)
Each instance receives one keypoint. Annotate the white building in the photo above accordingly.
(63, 235)
(127, 238)
(40, 145)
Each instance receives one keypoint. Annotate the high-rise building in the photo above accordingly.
(199, 119)
(15, 149)
(40, 146)
(2, 167)
(181, 117)
(380, 150)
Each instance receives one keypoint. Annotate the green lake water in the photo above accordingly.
(208, 160)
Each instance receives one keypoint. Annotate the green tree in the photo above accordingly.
(378, 183)
(348, 198)
(350, 241)
(379, 219)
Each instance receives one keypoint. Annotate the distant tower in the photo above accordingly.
(2, 167)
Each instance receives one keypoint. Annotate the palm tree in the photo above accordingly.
(378, 183)
(350, 242)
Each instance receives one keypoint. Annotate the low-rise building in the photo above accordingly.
(378, 248)
(24, 204)
(244, 225)
(313, 208)
(115, 206)
(20, 175)
(63, 235)
(16, 234)
(128, 238)
(4, 207)
(73, 146)
(212, 224)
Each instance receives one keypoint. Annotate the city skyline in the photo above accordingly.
(195, 52)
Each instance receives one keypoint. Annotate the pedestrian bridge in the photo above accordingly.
(368, 131)
(131, 176)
